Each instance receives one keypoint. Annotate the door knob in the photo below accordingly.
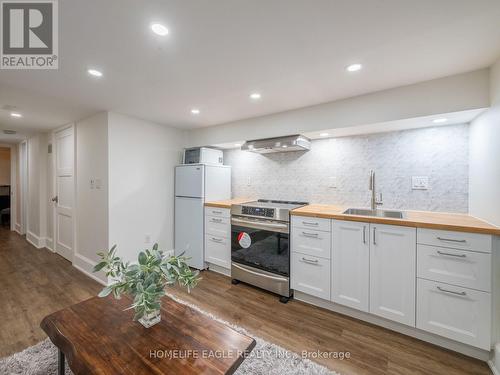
(55, 199)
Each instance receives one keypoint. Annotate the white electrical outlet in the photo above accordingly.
(98, 183)
(420, 183)
(92, 183)
(147, 238)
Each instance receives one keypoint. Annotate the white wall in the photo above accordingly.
(91, 202)
(484, 198)
(456, 93)
(37, 189)
(142, 156)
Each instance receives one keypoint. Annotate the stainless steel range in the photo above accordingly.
(260, 252)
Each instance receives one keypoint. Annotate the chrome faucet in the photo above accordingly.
(374, 202)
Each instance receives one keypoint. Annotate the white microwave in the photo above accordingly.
(203, 155)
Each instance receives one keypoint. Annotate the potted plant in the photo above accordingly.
(146, 280)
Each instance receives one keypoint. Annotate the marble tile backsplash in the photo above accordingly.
(337, 170)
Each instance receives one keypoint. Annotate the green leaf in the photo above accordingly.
(155, 246)
(106, 291)
(99, 266)
(142, 258)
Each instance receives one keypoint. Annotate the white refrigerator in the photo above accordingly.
(196, 184)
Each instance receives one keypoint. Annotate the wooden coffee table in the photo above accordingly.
(98, 337)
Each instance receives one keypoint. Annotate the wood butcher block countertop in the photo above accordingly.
(418, 219)
(228, 203)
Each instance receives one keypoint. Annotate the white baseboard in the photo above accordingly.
(493, 369)
(494, 362)
(219, 269)
(443, 342)
(86, 266)
(49, 244)
(38, 242)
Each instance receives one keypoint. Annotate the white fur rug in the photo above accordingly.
(265, 359)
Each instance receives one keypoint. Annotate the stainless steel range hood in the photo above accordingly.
(278, 144)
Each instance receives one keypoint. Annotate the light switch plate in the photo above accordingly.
(420, 182)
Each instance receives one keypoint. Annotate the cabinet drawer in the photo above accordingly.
(311, 242)
(220, 212)
(456, 313)
(217, 226)
(218, 251)
(311, 223)
(455, 240)
(310, 275)
(458, 267)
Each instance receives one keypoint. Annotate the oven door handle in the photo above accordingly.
(259, 274)
(260, 225)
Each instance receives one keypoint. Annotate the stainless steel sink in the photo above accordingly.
(377, 213)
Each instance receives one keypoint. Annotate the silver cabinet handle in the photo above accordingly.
(374, 232)
(451, 291)
(451, 240)
(312, 261)
(452, 255)
(364, 234)
(214, 220)
(309, 223)
(216, 212)
(312, 235)
(218, 240)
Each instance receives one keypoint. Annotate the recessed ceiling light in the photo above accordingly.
(354, 67)
(324, 134)
(237, 145)
(255, 96)
(439, 120)
(15, 114)
(195, 111)
(159, 29)
(94, 73)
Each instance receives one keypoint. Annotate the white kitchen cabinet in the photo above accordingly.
(218, 251)
(311, 242)
(311, 223)
(457, 313)
(218, 226)
(218, 238)
(351, 264)
(468, 269)
(310, 275)
(392, 272)
(456, 240)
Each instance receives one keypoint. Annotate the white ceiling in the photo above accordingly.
(293, 52)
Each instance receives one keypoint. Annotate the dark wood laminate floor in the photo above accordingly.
(298, 326)
(34, 283)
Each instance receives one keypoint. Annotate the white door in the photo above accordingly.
(189, 181)
(392, 272)
(65, 191)
(351, 264)
(189, 231)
